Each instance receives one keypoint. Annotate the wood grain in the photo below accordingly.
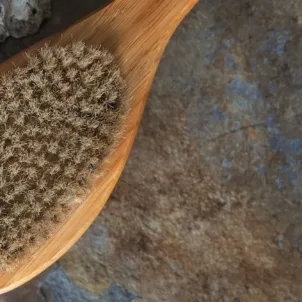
(136, 31)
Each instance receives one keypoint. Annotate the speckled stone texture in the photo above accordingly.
(209, 206)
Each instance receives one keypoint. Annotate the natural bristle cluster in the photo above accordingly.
(59, 117)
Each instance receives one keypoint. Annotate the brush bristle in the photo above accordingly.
(59, 118)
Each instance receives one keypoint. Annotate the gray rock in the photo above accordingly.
(19, 18)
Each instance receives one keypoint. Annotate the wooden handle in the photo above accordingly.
(136, 31)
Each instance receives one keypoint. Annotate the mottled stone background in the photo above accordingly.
(209, 207)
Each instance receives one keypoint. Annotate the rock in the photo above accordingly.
(19, 18)
(197, 210)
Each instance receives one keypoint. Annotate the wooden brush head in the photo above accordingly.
(59, 118)
(136, 32)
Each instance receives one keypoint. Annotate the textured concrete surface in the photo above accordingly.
(209, 205)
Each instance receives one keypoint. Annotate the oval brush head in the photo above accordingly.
(59, 118)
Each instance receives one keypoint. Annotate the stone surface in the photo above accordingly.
(19, 18)
(209, 205)
(57, 287)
